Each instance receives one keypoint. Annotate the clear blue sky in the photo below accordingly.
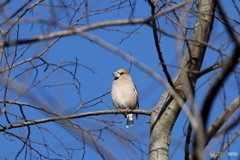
(64, 99)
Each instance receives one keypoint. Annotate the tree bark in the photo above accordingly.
(167, 110)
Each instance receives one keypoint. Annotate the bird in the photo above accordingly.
(124, 94)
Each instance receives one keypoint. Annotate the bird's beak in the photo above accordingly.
(116, 74)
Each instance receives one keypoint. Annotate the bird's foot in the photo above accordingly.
(126, 110)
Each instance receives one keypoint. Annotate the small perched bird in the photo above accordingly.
(124, 94)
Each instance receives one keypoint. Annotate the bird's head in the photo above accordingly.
(121, 73)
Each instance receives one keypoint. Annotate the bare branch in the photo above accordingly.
(157, 45)
(93, 26)
(220, 121)
(11, 126)
(206, 107)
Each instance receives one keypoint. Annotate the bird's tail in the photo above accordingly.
(130, 121)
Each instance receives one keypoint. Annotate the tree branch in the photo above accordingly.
(220, 121)
(17, 125)
(93, 26)
(166, 112)
(228, 144)
(206, 107)
(157, 45)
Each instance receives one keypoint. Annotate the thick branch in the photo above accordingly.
(166, 111)
(233, 59)
(223, 75)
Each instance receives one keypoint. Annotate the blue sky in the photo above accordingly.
(98, 79)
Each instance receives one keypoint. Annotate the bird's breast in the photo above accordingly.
(123, 94)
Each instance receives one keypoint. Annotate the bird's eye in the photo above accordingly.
(121, 73)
